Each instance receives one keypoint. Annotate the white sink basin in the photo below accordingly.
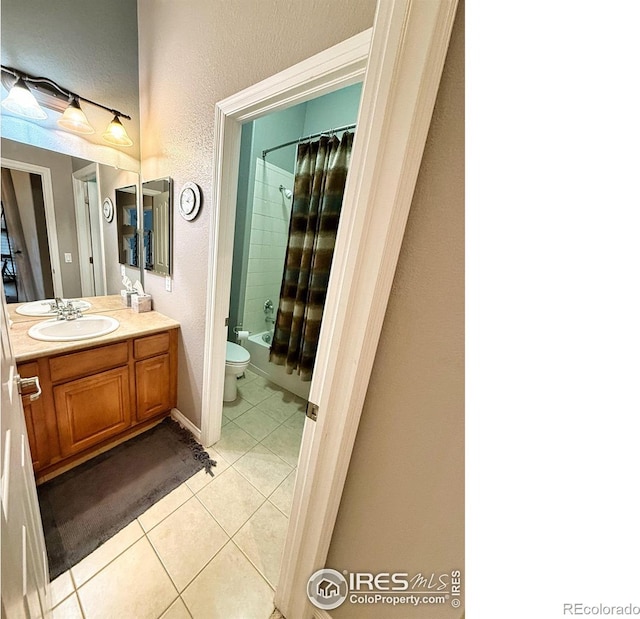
(83, 328)
(43, 308)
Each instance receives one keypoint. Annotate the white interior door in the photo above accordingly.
(25, 574)
(95, 227)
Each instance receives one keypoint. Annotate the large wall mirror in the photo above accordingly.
(127, 226)
(55, 239)
(157, 232)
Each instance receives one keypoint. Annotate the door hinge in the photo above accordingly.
(312, 411)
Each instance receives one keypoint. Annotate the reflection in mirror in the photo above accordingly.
(127, 218)
(64, 226)
(27, 273)
(156, 208)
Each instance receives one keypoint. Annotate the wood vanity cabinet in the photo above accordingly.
(91, 399)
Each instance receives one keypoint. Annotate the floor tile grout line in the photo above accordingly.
(230, 535)
(164, 567)
(266, 496)
(109, 562)
(184, 483)
(272, 587)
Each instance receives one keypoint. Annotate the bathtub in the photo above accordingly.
(259, 350)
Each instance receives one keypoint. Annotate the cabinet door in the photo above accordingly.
(153, 386)
(92, 409)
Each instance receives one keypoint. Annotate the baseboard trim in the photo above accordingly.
(185, 423)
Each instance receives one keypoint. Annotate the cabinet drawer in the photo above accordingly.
(87, 362)
(151, 345)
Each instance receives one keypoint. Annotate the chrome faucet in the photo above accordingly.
(68, 311)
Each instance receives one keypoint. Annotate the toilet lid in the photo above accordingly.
(237, 354)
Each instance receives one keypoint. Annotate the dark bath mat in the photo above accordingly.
(83, 508)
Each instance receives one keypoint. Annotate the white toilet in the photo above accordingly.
(236, 363)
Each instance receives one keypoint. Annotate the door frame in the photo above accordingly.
(50, 215)
(86, 243)
(401, 60)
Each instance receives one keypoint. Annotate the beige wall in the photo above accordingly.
(403, 503)
(190, 58)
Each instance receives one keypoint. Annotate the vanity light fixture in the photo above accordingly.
(116, 133)
(74, 119)
(23, 102)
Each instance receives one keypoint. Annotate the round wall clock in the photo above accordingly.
(107, 209)
(189, 201)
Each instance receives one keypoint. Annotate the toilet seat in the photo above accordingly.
(236, 355)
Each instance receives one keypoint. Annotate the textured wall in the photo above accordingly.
(192, 55)
(403, 503)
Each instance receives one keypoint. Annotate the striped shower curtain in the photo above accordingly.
(321, 173)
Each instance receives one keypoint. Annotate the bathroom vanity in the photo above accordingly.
(96, 392)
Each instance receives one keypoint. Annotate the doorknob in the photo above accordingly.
(26, 383)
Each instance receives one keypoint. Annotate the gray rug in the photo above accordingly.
(83, 508)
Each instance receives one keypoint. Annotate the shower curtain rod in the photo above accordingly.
(308, 137)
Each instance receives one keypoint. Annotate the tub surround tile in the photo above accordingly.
(103, 555)
(231, 499)
(165, 506)
(229, 588)
(285, 442)
(256, 423)
(262, 539)
(234, 442)
(137, 585)
(264, 469)
(186, 541)
(282, 496)
(69, 609)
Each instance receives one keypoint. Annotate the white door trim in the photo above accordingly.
(83, 229)
(408, 49)
(337, 67)
(49, 209)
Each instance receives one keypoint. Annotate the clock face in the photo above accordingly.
(189, 202)
(107, 210)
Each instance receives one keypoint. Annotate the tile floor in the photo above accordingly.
(212, 547)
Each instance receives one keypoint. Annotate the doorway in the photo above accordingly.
(30, 260)
(89, 232)
(403, 62)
